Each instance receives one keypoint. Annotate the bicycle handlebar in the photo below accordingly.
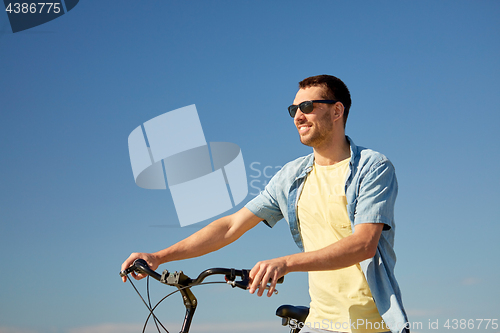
(184, 284)
(179, 279)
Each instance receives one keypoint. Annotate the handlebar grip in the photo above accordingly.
(244, 284)
(141, 266)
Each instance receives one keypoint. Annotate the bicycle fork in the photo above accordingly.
(190, 302)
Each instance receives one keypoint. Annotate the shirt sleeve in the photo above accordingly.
(377, 195)
(265, 205)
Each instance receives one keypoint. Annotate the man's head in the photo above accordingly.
(320, 110)
(333, 89)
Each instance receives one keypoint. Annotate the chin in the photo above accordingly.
(306, 141)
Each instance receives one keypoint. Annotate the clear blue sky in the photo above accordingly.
(424, 81)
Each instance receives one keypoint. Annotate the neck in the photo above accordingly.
(333, 152)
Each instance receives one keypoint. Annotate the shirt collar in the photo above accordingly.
(354, 149)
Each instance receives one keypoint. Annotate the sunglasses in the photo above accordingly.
(307, 106)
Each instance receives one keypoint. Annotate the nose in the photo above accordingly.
(299, 115)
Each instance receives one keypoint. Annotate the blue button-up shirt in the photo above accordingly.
(371, 189)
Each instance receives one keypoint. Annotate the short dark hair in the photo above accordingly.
(335, 89)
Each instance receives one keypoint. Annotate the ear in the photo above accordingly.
(338, 111)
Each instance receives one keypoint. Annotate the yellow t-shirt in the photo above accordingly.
(338, 297)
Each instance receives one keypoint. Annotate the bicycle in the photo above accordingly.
(289, 314)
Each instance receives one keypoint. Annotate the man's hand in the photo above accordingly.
(267, 271)
(150, 259)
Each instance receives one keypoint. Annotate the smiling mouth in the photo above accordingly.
(303, 128)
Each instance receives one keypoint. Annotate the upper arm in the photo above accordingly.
(375, 205)
(377, 196)
(242, 221)
(368, 234)
(266, 204)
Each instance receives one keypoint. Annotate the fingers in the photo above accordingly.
(268, 277)
(272, 288)
(138, 276)
(265, 272)
(126, 264)
(256, 277)
(130, 261)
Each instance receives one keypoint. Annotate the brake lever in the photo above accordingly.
(244, 285)
(127, 271)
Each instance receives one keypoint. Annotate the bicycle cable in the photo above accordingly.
(149, 301)
(151, 309)
(147, 306)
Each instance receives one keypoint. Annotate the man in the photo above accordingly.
(339, 203)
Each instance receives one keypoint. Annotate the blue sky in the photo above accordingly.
(424, 82)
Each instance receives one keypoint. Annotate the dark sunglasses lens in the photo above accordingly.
(292, 109)
(306, 107)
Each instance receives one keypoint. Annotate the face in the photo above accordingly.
(315, 128)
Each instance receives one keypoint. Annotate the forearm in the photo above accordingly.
(343, 253)
(348, 251)
(211, 238)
